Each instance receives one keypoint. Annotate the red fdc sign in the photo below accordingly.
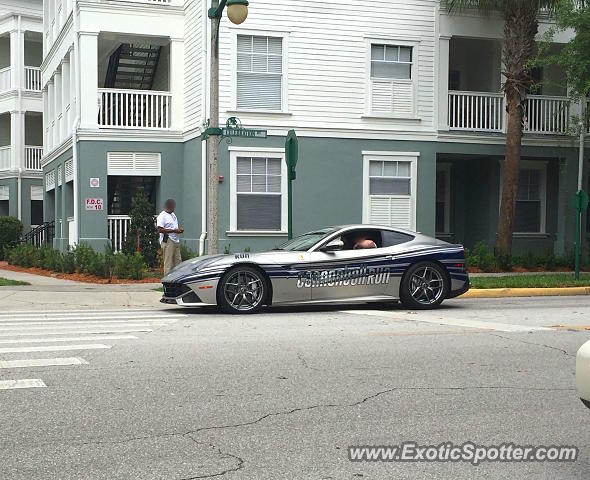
(94, 204)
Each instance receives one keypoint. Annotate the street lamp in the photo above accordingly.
(237, 11)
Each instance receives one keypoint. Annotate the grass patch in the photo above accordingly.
(532, 281)
(4, 282)
(159, 289)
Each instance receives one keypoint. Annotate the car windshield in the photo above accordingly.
(306, 241)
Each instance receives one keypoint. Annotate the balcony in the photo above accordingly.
(485, 112)
(5, 158)
(33, 156)
(33, 79)
(145, 109)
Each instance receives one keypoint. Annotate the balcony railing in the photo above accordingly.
(33, 79)
(476, 111)
(118, 226)
(546, 115)
(485, 112)
(137, 109)
(33, 158)
(4, 79)
(5, 158)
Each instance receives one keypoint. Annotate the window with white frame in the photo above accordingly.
(391, 83)
(258, 192)
(389, 186)
(530, 200)
(259, 73)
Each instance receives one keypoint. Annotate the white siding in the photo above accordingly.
(327, 65)
(193, 61)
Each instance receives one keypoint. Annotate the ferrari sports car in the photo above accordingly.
(336, 264)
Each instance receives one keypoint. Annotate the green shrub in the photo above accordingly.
(186, 253)
(129, 266)
(24, 255)
(88, 261)
(481, 257)
(11, 229)
(69, 262)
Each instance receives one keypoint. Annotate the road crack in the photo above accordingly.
(565, 352)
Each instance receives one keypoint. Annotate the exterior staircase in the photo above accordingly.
(133, 67)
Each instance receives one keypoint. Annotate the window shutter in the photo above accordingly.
(50, 180)
(69, 169)
(392, 97)
(134, 164)
(36, 192)
(391, 211)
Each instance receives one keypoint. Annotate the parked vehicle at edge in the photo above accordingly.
(583, 373)
(323, 266)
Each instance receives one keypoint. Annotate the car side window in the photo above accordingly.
(352, 238)
(391, 238)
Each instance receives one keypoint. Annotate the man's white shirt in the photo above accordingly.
(169, 222)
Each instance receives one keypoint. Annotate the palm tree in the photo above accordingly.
(521, 24)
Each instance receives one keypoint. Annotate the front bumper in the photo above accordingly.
(194, 294)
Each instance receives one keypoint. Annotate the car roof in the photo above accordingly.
(379, 227)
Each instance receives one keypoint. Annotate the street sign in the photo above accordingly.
(243, 132)
(291, 157)
(581, 201)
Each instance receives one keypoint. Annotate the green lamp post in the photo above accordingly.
(237, 12)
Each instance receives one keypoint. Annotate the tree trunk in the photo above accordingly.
(520, 29)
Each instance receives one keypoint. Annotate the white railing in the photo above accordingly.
(33, 158)
(118, 226)
(144, 109)
(33, 79)
(476, 111)
(4, 79)
(5, 158)
(546, 115)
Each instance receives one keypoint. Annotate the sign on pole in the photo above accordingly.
(291, 157)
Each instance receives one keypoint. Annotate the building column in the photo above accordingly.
(443, 82)
(72, 85)
(176, 82)
(57, 113)
(50, 115)
(89, 80)
(65, 98)
(17, 147)
(17, 58)
(45, 120)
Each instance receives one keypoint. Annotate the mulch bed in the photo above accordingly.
(77, 277)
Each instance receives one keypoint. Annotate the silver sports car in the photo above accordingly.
(336, 264)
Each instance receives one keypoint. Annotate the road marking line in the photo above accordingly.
(88, 322)
(55, 348)
(77, 332)
(68, 339)
(74, 327)
(501, 327)
(24, 383)
(123, 311)
(151, 318)
(42, 362)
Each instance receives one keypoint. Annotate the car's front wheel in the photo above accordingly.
(242, 290)
(424, 286)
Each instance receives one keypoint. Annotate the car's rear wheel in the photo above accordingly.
(242, 289)
(424, 286)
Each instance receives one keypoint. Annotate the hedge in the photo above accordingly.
(11, 229)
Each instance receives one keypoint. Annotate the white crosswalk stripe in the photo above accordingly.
(63, 331)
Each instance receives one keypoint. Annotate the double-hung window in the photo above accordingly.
(390, 196)
(258, 193)
(259, 73)
(391, 83)
(530, 201)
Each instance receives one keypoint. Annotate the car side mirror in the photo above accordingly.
(333, 246)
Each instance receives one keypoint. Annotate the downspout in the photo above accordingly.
(75, 125)
(21, 126)
(204, 105)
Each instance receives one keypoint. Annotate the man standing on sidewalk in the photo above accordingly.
(169, 236)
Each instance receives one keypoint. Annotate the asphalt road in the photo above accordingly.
(169, 394)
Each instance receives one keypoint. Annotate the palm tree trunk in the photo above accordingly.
(520, 29)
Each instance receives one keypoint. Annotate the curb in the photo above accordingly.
(525, 292)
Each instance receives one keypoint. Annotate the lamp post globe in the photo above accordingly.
(237, 11)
